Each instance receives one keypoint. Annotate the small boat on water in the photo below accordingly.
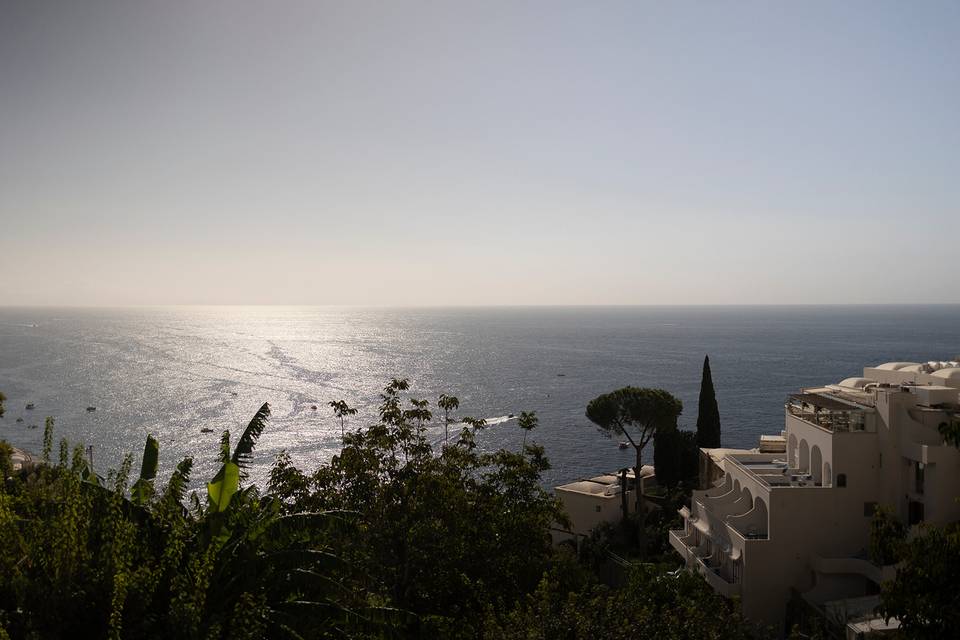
(91, 408)
(206, 430)
(623, 445)
(313, 407)
(30, 406)
(19, 419)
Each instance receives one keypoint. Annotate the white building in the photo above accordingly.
(775, 523)
(590, 502)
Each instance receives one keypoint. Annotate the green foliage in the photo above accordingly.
(79, 556)
(341, 410)
(142, 490)
(887, 537)
(179, 480)
(447, 404)
(527, 421)
(391, 538)
(447, 533)
(3, 399)
(639, 410)
(6, 462)
(950, 430)
(47, 439)
(243, 452)
(224, 485)
(645, 410)
(925, 595)
(676, 457)
(708, 414)
(654, 605)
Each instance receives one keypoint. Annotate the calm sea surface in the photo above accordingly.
(174, 371)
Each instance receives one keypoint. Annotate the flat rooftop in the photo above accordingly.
(602, 484)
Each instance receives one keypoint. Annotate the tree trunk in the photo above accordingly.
(641, 507)
(636, 479)
(624, 506)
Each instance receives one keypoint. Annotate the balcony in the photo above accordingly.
(682, 543)
(751, 525)
(717, 581)
(716, 576)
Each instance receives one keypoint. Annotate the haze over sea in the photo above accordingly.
(172, 371)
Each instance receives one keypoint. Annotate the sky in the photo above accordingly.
(481, 153)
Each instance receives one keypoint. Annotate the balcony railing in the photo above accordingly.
(716, 576)
(827, 413)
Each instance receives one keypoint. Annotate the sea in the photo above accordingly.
(185, 374)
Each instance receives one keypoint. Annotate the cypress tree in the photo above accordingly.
(708, 415)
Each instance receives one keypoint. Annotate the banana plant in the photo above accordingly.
(142, 490)
(223, 486)
(179, 480)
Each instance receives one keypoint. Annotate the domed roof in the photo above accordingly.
(912, 368)
(952, 373)
(855, 383)
(896, 366)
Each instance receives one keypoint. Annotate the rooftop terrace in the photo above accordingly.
(827, 411)
(772, 470)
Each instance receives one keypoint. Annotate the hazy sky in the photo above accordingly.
(479, 153)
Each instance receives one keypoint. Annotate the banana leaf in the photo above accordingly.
(142, 489)
(221, 489)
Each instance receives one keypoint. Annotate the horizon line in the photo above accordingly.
(486, 306)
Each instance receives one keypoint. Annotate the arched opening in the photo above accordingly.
(816, 464)
(761, 519)
(804, 463)
(727, 485)
(827, 475)
(792, 452)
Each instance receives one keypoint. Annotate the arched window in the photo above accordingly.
(816, 464)
(841, 479)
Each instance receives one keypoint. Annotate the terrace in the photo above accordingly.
(827, 412)
(773, 471)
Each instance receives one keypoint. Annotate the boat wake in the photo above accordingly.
(455, 427)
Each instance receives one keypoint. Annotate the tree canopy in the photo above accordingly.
(389, 539)
(676, 457)
(925, 594)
